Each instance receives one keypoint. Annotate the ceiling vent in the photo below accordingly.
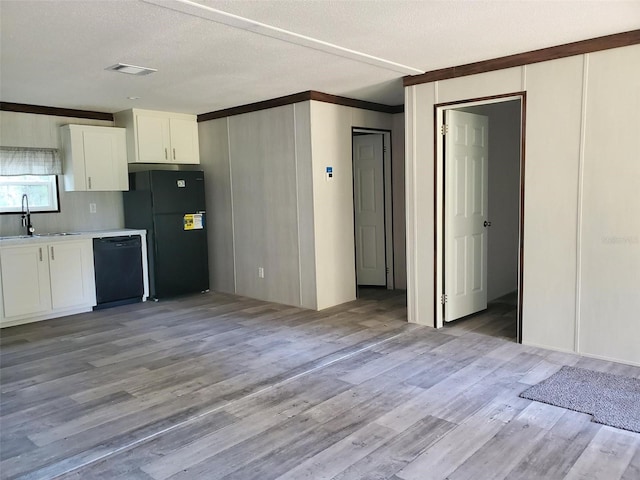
(131, 69)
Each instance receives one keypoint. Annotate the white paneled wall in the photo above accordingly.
(262, 154)
(43, 131)
(254, 166)
(272, 207)
(214, 140)
(609, 303)
(306, 229)
(582, 201)
(554, 105)
(333, 203)
(419, 188)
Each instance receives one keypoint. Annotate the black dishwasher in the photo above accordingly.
(118, 270)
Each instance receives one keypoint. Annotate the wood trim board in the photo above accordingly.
(535, 56)
(300, 97)
(55, 111)
(227, 112)
(438, 138)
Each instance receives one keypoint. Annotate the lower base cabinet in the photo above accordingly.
(44, 279)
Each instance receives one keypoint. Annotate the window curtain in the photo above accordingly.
(29, 161)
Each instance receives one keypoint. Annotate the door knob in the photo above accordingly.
(487, 224)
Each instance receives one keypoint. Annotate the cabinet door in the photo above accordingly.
(25, 280)
(105, 159)
(184, 141)
(152, 139)
(71, 273)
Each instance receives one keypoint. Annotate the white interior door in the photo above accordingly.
(368, 174)
(466, 215)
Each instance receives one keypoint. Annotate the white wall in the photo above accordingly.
(333, 204)
(553, 139)
(31, 130)
(582, 202)
(214, 160)
(251, 163)
(419, 191)
(333, 201)
(609, 217)
(269, 204)
(306, 214)
(263, 176)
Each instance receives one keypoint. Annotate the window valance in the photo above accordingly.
(29, 161)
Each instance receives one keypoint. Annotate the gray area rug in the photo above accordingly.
(613, 400)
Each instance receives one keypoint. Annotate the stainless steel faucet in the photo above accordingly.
(26, 215)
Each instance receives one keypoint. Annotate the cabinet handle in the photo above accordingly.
(53, 257)
(89, 183)
(40, 252)
(166, 156)
(174, 153)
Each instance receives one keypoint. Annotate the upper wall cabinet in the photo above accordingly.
(95, 158)
(160, 137)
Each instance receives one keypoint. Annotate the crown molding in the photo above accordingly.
(55, 111)
(535, 56)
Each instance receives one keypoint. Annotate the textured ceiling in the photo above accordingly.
(55, 53)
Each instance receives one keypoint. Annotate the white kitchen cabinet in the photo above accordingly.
(71, 274)
(184, 140)
(160, 137)
(95, 158)
(25, 286)
(44, 280)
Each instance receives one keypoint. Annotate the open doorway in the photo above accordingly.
(372, 209)
(479, 195)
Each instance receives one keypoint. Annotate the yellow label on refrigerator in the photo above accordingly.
(193, 221)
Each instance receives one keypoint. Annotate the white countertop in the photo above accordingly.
(53, 237)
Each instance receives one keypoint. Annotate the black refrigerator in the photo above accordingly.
(169, 205)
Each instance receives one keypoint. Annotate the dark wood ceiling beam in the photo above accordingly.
(535, 56)
(300, 97)
(55, 111)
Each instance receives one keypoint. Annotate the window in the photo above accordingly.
(41, 190)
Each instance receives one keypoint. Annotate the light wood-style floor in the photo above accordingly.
(221, 387)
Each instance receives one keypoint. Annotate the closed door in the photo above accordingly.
(368, 174)
(466, 215)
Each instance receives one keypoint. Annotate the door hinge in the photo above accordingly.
(443, 299)
(386, 270)
(384, 149)
(444, 129)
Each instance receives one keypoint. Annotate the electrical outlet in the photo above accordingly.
(260, 272)
(92, 208)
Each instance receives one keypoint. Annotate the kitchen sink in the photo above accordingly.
(61, 234)
(38, 235)
(14, 237)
